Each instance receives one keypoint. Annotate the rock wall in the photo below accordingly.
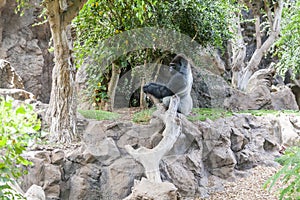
(25, 47)
(204, 154)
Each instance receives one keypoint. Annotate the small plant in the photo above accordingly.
(143, 116)
(98, 114)
(289, 174)
(18, 126)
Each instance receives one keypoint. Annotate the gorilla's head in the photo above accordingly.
(179, 64)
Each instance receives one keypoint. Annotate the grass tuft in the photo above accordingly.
(99, 114)
(144, 116)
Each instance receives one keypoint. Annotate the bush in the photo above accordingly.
(289, 174)
(18, 126)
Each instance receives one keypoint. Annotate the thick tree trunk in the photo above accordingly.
(112, 86)
(62, 107)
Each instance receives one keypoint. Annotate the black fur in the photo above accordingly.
(157, 90)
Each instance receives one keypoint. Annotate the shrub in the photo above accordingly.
(18, 126)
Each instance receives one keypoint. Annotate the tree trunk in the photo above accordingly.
(239, 54)
(143, 104)
(62, 107)
(253, 64)
(112, 86)
(257, 31)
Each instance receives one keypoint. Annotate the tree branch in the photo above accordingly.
(150, 158)
(259, 53)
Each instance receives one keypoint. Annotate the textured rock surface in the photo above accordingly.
(146, 189)
(8, 77)
(35, 193)
(25, 47)
(258, 95)
(284, 99)
(16, 94)
(100, 168)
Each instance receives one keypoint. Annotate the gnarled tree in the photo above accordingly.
(62, 109)
(243, 71)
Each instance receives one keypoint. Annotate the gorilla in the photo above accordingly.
(180, 84)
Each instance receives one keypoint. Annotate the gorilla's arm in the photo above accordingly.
(157, 90)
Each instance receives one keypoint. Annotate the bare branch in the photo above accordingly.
(150, 158)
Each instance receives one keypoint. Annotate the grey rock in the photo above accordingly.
(35, 192)
(25, 47)
(57, 156)
(104, 151)
(16, 94)
(176, 172)
(85, 184)
(146, 189)
(117, 179)
(221, 162)
(284, 99)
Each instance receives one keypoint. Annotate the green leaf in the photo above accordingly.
(20, 110)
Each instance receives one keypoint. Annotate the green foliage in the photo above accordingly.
(288, 45)
(201, 114)
(99, 114)
(289, 174)
(144, 116)
(18, 127)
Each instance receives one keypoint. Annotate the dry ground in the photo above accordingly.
(250, 187)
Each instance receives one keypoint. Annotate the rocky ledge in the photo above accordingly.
(100, 167)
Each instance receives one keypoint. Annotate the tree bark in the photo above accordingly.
(257, 31)
(61, 114)
(112, 86)
(238, 54)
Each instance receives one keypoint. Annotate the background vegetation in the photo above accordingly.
(205, 21)
(288, 45)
